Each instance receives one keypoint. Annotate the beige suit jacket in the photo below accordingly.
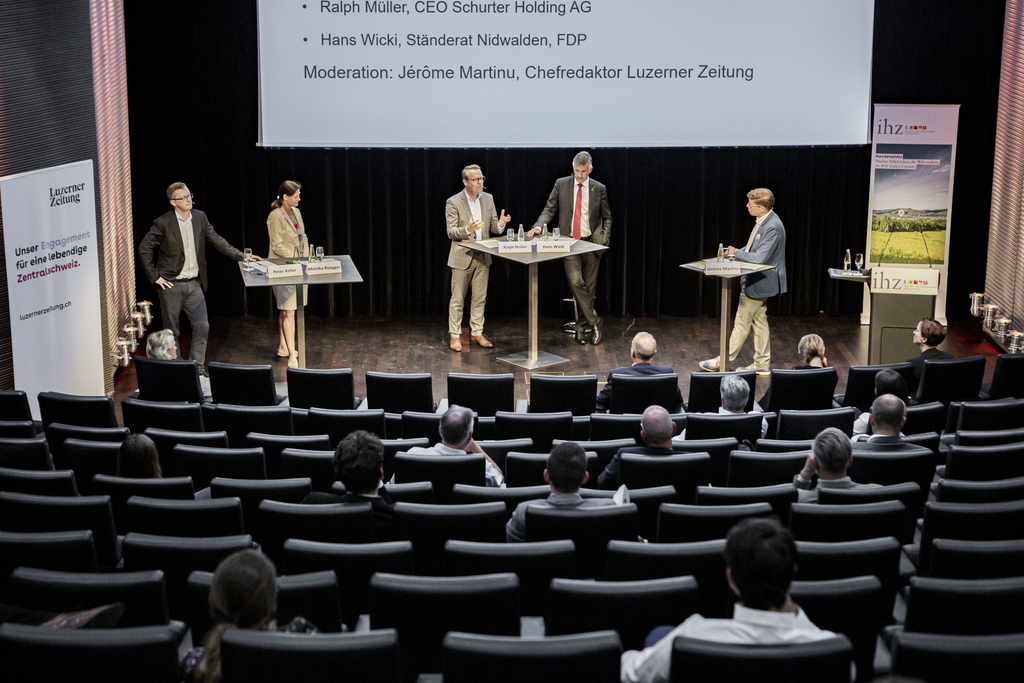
(283, 237)
(458, 215)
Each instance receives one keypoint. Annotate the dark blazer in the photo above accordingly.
(383, 510)
(880, 443)
(769, 247)
(918, 363)
(162, 252)
(604, 398)
(609, 479)
(560, 204)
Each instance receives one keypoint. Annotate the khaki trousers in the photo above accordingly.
(476, 277)
(751, 313)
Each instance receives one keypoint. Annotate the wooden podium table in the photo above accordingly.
(532, 358)
(257, 278)
(727, 280)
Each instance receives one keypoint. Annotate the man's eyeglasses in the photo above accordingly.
(476, 180)
(188, 196)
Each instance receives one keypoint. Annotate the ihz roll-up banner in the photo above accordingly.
(913, 151)
(53, 280)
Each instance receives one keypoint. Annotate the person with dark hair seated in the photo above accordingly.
(138, 458)
(928, 335)
(886, 382)
(359, 465)
(831, 455)
(566, 473)
(760, 557)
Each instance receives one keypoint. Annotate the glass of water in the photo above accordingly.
(510, 234)
(555, 232)
(319, 253)
(248, 257)
(859, 261)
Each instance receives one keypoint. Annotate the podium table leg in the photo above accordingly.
(532, 358)
(723, 340)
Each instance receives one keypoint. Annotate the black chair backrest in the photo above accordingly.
(605, 451)
(820, 661)
(909, 493)
(58, 432)
(26, 454)
(705, 391)
(252, 492)
(951, 659)
(969, 607)
(543, 428)
(483, 394)
(925, 417)
(197, 518)
(1008, 377)
(591, 657)
(273, 444)
(953, 559)
(120, 489)
(17, 429)
(333, 523)
(337, 424)
(89, 458)
(836, 523)
(685, 471)
(317, 466)
(14, 406)
(442, 471)
(956, 379)
(28, 513)
(991, 415)
(242, 385)
(998, 491)
(421, 426)
(39, 482)
(511, 496)
(314, 596)
(802, 389)
(780, 496)
(394, 446)
(745, 427)
(647, 500)
(168, 380)
(166, 440)
(203, 463)
(988, 438)
(888, 468)
(398, 392)
(748, 469)
(608, 427)
(718, 449)
(139, 415)
(783, 445)
(264, 657)
(589, 528)
(970, 522)
(80, 411)
(71, 551)
(860, 383)
(635, 393)
(690, 523)
(239, 421)
(412, 492)
(879, 557)
(985, 463)
(797, 425)
(429, 526)
(326, 388)
(556, 393)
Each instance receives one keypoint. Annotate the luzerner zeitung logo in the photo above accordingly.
(70, 194)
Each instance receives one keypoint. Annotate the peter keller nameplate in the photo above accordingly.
(285, 270)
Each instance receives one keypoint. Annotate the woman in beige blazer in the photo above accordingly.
(287, 234)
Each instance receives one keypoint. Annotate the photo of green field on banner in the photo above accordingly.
(911, 202)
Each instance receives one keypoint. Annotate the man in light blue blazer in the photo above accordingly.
(767, 245)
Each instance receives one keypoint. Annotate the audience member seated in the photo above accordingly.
(831, 455)
(734, 391)
(359, 465)
(566, 473)
(243, 594)
(928, 335)
(456, 431)
(811, 348)
(138, 458)
(642, 350)
(161, 346)
(656, 429)
(760, 557)
(887, 416)
(886, 382)
(105, 616)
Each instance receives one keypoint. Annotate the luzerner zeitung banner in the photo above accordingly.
(53, 280)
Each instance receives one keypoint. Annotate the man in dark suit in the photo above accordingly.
(173, 254)
(888, 415)
(581, 204)
(642, 350)
(656, 429)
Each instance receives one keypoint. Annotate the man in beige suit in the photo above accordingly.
(470, 216)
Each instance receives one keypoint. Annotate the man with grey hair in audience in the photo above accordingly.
(162, 346)
(641, 350)
(888, 415)
(656, 429)
(734, 391)
(831, 455)
(456, 431)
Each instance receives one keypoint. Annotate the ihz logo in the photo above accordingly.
(886, 128)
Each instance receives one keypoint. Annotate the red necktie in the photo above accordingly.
(578, 213)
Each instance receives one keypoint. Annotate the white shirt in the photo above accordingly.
(188, 241)
(750, 626)
(474, 208)
(585, 210)
(679, 439)
(492, 475)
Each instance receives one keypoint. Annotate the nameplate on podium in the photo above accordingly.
(515, 248)
(285, 270)
(721, 268)
(323, 267)
(554, 247)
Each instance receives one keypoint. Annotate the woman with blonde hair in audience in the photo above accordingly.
(812, 348)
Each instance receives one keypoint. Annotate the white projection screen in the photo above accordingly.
(602, 73)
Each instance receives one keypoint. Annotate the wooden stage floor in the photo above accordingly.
(420, 344)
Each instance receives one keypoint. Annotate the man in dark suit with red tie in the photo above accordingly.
(581, 204)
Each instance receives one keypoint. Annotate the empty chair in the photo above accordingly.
(871, 467)
(429, 526)
(138, 415)
(166, 440)
(209, 517)
(998, 491)
(908, 493)
(442, 471)
(740, 427)
(273, 444)
(168, 380)
(422, 609)
(203, 463)
(317, 466)
(71, 551)
(969, 607)
(820, 661)
(314, 596)
(764, 469)
(38, 482)
(929, 440)
(591, 657)
(142, 593)
(954, 559)
(985, 463)
(589, 528)
(395, 446)
(705, 561)
(337, 424)
(556, 393)
(705, 391)
(142, 653)
(926, 417)
(780, 496)
(58, 432)
(685, 472)
(327, 388)
(80, 411)
(718, 449)
(969, 522)
(647, 500)
(497, 449)
(412, 492)
(332, 523)
(783, 446)
(878, 557)
(485, 395)
(243, 385)
(951, 659)
(991, 415)
(635, 393)
(25, 454)
(264, 656)
(795, 425)
(542, 428)
(632, 608)
(89, 458)
(18, 429)
(690, 523)
(238, 421)
(860, 384)
(1007, 378)
(835, 523)
(510, 496)
(14, 406)
(988, 438)
(802, 390)
(421, 426)
(398, 392)
(27, 513)
(120, 489)
(957, 379)
(352, 563)
(252, 492)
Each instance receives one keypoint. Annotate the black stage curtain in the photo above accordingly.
(192, 79)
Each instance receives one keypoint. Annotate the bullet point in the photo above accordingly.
(303, 7)
(305, 39)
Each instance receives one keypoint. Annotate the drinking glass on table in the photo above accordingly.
(248, 257)
(859, 261)
(510, 234)
(319, 253)
(555, 232)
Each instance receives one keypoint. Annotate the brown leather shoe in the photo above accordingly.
(455, 344)
(482, 341)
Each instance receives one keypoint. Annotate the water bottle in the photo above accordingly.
(544, 233)
(846, 262)
(521, 235)
(721, 253)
